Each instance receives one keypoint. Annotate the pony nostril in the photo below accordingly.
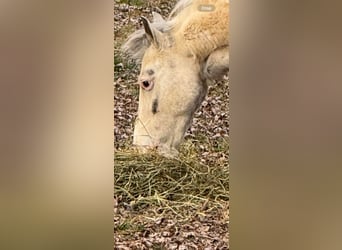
(146, 84)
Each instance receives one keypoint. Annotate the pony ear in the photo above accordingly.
(217, 64)
(137, 43)
(153, 35)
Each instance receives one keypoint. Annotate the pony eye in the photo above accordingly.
(146, 84)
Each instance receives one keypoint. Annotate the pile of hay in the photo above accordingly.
(182, 186)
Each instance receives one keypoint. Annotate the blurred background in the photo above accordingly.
(56, 136)
(286, 117)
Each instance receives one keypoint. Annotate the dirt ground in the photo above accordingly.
(206, 141)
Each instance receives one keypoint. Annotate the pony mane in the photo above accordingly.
(189, 31)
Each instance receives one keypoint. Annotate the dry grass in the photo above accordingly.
(166, 203)
(183, 186)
